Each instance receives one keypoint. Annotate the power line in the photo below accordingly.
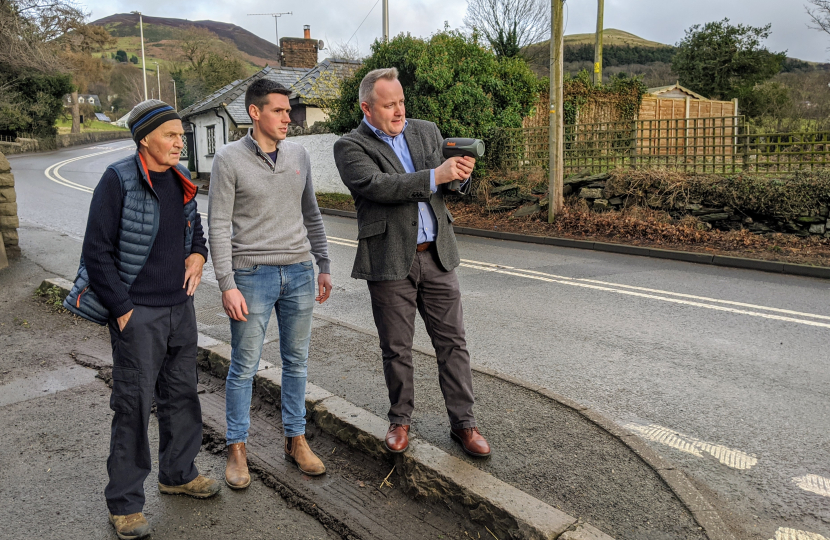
(363, 21)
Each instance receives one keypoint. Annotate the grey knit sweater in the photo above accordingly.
(260, 212)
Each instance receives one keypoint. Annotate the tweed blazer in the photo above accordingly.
(386, 199)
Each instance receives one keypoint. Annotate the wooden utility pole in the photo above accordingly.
(385, 17)
(556, 126)
(598, 44)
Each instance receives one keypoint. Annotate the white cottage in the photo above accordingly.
(215, 120)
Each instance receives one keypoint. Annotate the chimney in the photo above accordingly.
(299, 52)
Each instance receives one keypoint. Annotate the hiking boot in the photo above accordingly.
(200, 487)
(297, 451)
(236, 471)
(131, 526)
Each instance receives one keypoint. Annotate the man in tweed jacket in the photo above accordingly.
(407, 252)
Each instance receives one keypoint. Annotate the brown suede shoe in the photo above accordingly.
(397, 438)
(236, 471)
(130, 527)
(200, 487)
(297, 451)
(472, 441)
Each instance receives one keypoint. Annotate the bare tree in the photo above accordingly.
(344, 51)
(820, 14)
(29, 29)
(509, 25)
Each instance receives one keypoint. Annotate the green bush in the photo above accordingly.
(450, 79)
(31, 102)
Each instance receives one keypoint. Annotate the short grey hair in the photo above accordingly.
(367, 85)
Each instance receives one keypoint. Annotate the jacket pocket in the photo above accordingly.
(125, 389)
(372, 229)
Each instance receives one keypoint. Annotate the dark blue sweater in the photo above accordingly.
(160, 281)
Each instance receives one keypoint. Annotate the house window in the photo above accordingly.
(211, 140)
(184, 156)
(80, 100)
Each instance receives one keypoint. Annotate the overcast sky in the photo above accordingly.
(337, 20)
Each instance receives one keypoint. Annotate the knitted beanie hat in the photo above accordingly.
(147, 116)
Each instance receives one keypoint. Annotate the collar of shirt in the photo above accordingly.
(382, 134)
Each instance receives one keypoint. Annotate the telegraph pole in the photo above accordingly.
(158, 79)
(598, 45)
(556, 127)
(143, 63)
(386, 21)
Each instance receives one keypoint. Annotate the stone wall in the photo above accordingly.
(8, 208)
(19, 146)
(601, 197)
(323, 169)
(73, 139)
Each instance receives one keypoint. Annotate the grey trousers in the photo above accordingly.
(154, 356)
(435, 294)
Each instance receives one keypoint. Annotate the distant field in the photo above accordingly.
(64, 126)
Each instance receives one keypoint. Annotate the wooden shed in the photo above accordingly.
(675, 120)
(676, 102)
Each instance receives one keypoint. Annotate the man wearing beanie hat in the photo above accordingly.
(143, 254)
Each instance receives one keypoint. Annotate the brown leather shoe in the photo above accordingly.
(236, 471)
(130, 527)
(297, 451)
(472, 441)
(397, 438)
(200, 487)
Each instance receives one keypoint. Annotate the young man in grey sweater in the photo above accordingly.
(264, 229)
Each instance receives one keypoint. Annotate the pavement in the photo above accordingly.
(55, 418)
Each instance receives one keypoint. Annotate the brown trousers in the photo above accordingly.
(435, 294)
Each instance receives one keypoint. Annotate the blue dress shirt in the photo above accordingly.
(427, 224)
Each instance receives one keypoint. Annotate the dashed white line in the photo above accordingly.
(814, 484)
(785, 533)
(730, 457)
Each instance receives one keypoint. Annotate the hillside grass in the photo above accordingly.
(612, 36)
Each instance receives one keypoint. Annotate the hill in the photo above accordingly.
(610, 37)
(623, 50)
(161, 37)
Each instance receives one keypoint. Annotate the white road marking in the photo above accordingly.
(657, 291)
(730, 457)
(814, 484)
(784, 533)
(53, 171)
(624, 289)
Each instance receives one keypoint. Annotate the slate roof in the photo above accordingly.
(232, 96)
(308, 88)
(102, 117)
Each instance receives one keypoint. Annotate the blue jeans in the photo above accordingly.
(290, 291)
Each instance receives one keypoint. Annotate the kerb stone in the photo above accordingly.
(360, 428)
(431, 472)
